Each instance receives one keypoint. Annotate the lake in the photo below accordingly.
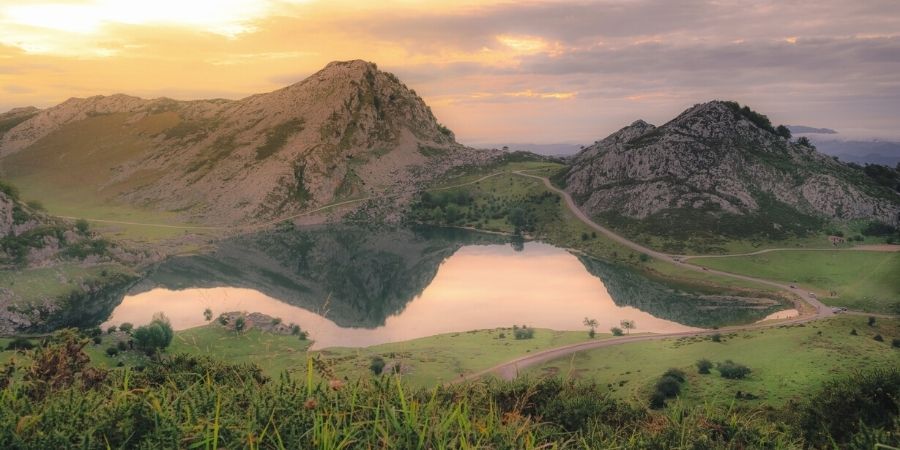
(353, 287)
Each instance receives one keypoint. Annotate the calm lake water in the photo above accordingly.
(354, 287)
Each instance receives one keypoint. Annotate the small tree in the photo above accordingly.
(628, 325)
(783, 131)
(155, 336)
(112, 329)
(112, 351)
(716, 337)
(239, 324)
(878, 338)
(207, 314)
(871, 321)
(295, 329)
(276, 321)
(126, 327)
(616, 331)
(223, 319)
(703, 366)
(592, 324)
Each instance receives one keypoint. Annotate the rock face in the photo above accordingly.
(719, 161)
(347, 131)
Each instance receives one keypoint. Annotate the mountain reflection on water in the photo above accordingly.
(355, 286)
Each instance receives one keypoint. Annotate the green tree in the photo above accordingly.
(239, 324)
(783, 131)
(628, 325)
(82, 226)
(616, 331)
(126, 327)
(155, 336)
(517, 219)
(207, 314)
(592, 324)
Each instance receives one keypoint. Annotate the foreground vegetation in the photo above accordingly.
(858, 280)
(54, 398)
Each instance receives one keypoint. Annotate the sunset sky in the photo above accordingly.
(495, 72)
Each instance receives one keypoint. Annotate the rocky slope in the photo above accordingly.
(347, 131)
(721, 169)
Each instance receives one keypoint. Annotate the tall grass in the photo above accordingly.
(189, 402)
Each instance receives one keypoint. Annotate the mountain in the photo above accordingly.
(349, 130)
(720, 170)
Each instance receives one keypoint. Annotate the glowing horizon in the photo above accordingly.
(542, 71)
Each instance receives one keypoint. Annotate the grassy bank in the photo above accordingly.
(860, 280)
(786, 362)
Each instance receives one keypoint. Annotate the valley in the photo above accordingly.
(334, 232)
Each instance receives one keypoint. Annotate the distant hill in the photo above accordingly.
(349, 130)
(861, 152)
(720, 170)
(803, 129)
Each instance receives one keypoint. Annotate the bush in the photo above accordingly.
(668, 386)
(895, 342)
(704, 365)
(82, 226)
(616, 331)
(377, 365)
(126, 327)
(837, 411)
(112, 329)
(871, 321)
(97, 340)
(122, 346)
(878, 338)
(853, 332)
(732, 370)
(155, 336)
(523, 333)
(716, 337)
(112, 351)
(677, 374)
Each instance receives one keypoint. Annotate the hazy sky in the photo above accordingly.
(494, 71)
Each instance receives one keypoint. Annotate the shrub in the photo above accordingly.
(657, 400)
(704, 365)
(82, 226)
(716, 337)
(895, 342)
(732, 370)
(377, 365)
(126, 327)
(112, 329)
(677, 374)
(112, 351)
(668, 386)
(97, 340)
(842, 406)
(239, 324)
(155, 336)
(20, 343)
(616, 331)
(122, 346)
(853, 332)
(878, 338)
(523, 333)
(871, 321)
(295, 329)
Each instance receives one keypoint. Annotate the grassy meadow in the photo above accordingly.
(859, 280)
(786, 361)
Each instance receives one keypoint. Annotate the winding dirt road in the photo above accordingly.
(510, 369)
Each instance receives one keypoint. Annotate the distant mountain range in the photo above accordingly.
(803, 129)
(349, 130)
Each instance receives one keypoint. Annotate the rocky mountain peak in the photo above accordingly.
(714, 162)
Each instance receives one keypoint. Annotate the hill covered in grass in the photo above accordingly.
(349, 130)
